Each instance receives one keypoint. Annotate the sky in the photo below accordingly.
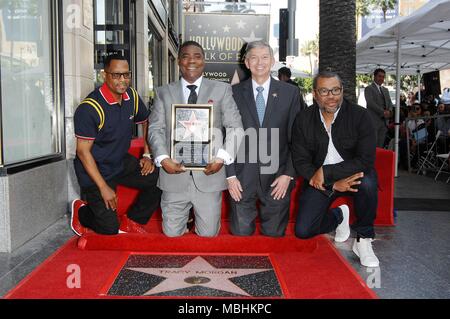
(306, 23)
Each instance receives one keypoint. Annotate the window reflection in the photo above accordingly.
(29, 117)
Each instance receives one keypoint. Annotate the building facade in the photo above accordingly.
(51, 56)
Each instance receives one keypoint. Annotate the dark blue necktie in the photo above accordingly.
(260, 104)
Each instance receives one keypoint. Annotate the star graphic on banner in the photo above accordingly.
(198, 272)
(226, 29)
(214, 32)
(241, 24)
(199, 26)
(251, 38)
(191, 127)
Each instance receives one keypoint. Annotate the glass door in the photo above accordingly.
(113, 32)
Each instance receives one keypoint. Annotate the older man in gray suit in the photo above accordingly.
(379, 105)
(185, 189)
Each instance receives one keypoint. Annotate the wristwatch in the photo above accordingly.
(148, 155)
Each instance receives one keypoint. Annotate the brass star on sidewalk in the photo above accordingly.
(198, 272)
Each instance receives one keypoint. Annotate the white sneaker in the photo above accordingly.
(343, 230)
(363, 249)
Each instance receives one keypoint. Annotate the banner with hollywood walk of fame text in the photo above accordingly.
(223, 38)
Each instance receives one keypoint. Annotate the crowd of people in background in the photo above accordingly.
(423, 120)
(422, 115)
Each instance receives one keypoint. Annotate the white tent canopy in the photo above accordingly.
(417, 43)
(420, 56)
(424, 39)
(295, 73)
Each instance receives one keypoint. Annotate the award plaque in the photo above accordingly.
(192, 135)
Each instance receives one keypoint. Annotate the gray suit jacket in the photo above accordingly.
(375, 103)
(282, 107)
(226, 116)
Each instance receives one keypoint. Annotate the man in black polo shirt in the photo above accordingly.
(103, 126)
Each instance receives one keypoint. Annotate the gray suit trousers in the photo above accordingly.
(175, 208)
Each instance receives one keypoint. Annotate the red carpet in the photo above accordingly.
(306, 268)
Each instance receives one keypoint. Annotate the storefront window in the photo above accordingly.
(154, 60)
(29, 108)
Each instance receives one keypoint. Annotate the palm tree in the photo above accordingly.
(337, 42)
(362, 7)
(362, 10)
(309, 48)
(384, 5)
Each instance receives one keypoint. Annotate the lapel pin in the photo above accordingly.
(275, 95)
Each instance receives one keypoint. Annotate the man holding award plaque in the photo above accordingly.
(187, 122)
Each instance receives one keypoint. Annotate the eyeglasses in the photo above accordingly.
(325, 92)
(117, 76)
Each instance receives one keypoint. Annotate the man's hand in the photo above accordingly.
(109, 197)
(147, 166)
(317, 180)
(172, 167)
(213, 167)
(345, 184)
(387, 114)
(281, 185)
(235, 188)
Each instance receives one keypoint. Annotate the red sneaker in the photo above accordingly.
(129, 226)
(74, 221)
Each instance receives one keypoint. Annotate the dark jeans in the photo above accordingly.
(314, 217)
(97, 217)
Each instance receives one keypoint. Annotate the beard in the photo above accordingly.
(330, 110)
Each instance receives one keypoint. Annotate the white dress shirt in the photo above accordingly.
(265, 92)
(379, 88)
(333, 156)
(187, 91)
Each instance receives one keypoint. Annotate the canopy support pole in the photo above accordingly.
(397, 104)
(419, 86)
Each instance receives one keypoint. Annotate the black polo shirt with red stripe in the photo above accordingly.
(111, 134)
